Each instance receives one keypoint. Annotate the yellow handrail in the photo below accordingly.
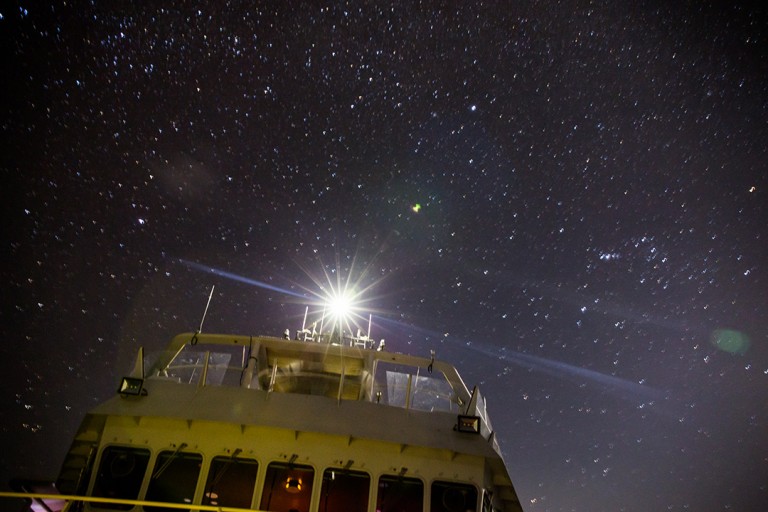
(116, 501)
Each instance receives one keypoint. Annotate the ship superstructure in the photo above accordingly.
(298, 423)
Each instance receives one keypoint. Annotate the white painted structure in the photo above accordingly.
(311, 424)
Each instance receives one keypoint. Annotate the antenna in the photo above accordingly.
(370, 317)
(210, 295)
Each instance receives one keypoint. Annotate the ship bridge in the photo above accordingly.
(344, 369)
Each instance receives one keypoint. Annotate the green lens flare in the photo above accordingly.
(731, 341)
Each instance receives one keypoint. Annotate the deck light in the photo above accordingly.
(131, 386)
(339, 309)
(470, 424)
(340, 305)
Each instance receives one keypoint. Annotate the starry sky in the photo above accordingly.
(567, 200)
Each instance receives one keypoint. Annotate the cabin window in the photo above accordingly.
(344, 491)
(174, 479)
(412, 387)
(453, 497)
(399, 494)
(121, 471)
(287, 487)
(230, 482)
(222, 365)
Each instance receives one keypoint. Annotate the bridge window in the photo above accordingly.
(287, 487)
(174, 479)
(222, 365)
(398, 494)
(230, 482)
(412, 387)
(121, 471)
(453, 497)
(344, 491)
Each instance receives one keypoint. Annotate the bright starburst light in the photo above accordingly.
(343, 293)
(340, 305)
(335, 306)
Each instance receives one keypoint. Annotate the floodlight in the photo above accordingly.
(469, 424)
(131, 386)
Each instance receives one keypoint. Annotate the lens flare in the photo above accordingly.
(622, 388)
(730, 340)
(238, 278)
(334, 302)
(339, 300)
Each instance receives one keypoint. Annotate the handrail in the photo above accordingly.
(116, 501)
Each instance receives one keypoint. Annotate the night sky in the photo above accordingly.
(567, 200)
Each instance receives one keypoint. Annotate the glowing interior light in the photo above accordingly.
(293, 485)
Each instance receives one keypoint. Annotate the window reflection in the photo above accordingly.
(344, 491)
(287, 488)
(174, 479)
(399, 494)
(453, 497)
(230, 482)
(121, 471)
